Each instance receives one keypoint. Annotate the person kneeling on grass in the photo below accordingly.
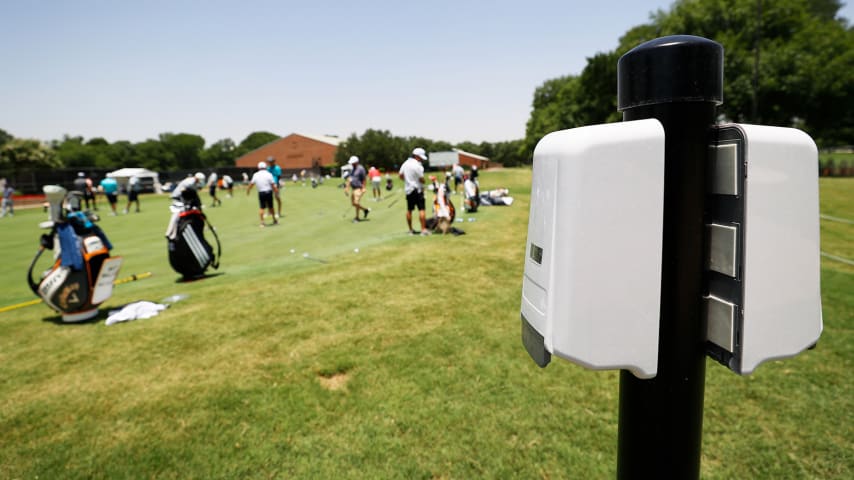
(263, 179)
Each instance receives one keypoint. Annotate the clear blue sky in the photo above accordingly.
(448, 70)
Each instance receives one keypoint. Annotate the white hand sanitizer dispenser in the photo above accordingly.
(763, 257)
(591, 289)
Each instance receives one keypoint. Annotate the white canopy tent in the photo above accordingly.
(122, 176)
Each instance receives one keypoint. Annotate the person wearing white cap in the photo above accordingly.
(412, 174)
(186, 192)
(185, 196)
(356, 181)
(263, 179)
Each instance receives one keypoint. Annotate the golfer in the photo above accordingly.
(276, 172)
(357, 187)
(263, 179)
(412, 174)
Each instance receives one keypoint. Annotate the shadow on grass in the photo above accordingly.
(198, 278)
(57, 320)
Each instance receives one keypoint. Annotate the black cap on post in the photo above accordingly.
(678, 68)
(678, 81)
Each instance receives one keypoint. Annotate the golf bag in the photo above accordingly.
(189, 253)
(444, 213)
(82, 275)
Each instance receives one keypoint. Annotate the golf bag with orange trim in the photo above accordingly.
(83, 272)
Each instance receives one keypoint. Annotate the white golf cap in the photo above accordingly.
(353, 159)
(262, 165)
(419, 152)
(200, 176)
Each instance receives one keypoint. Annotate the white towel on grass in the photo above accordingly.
(134, 311)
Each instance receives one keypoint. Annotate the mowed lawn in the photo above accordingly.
(401, 360)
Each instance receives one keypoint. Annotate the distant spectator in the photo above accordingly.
(357, 187)
(80, 186)
(228, 185)
(8, 204)
(89, 194)
(134, 188)
(110, 188)
(458, 177)
(376, 182)
(276, 172)
(212, 184)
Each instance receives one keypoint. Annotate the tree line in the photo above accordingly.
(168, 152)
(787, 63)
(185, 151)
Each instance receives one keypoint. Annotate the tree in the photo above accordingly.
(555, 107)
(375, 147)
(121, 154)
(803, 76)
(254, 140)
(27, 154)
(185, 149)
(507, 153)
(73, 153)
(153, 155)
(5, 137)
(219, 154)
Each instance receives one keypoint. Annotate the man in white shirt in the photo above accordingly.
(472, 194)
(263, 179)
(412, 174)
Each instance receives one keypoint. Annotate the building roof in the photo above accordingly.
(335, 141)
(473, 155)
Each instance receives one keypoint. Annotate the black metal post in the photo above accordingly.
(679, 81)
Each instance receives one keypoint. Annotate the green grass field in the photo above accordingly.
(403, 360)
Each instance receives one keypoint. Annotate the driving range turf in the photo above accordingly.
(401, 360)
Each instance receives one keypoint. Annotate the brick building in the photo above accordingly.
(443, 160)
(295, 152)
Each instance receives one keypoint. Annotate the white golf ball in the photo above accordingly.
(305, 254)
(293, 251)
(356, 250)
